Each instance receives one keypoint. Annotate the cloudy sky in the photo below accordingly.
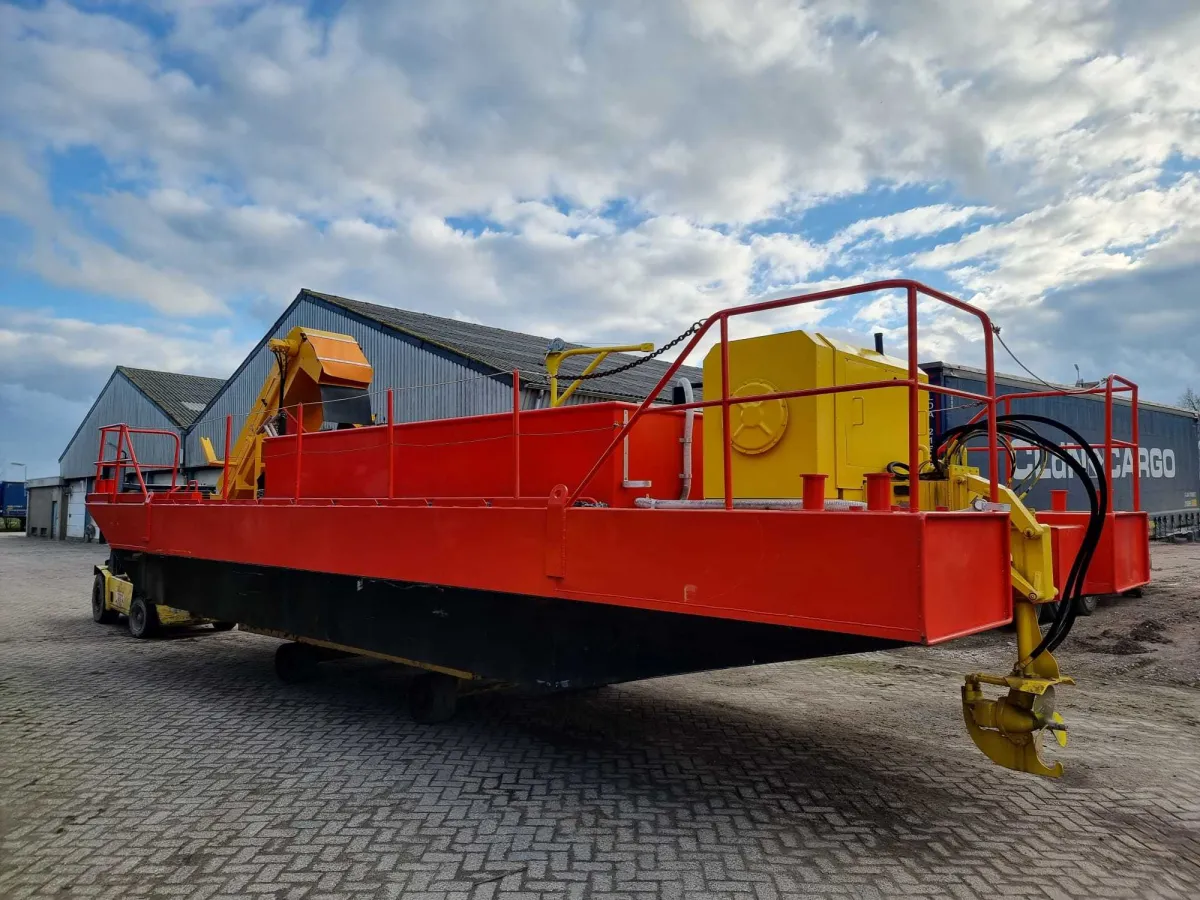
(173, 171)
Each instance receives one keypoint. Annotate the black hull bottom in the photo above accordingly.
(533, 642)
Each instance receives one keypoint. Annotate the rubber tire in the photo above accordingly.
(101, 615)
(432, 698)
(1047, 612)
(224, 626)
(296, 663)
(1086, 605)
(143, 621)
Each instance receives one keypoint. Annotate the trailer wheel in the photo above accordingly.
(1086, 605)
(224, 626)
(432, 698)
(296, 663)
(143, 622)
(101, 613)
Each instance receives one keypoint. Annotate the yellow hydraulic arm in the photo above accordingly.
(1009, 729)
(325, 372)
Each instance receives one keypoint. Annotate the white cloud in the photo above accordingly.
(919, 221)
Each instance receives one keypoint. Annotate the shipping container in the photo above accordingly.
(1168, 459)
(12, 500)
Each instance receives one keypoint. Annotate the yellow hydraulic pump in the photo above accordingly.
(844, 435)
(325, 373)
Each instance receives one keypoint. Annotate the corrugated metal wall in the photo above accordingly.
(119, 402)
(1169, 461)
(427, 385)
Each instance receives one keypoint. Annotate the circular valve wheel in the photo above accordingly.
(757, 426)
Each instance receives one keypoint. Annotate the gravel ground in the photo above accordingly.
(182, 768)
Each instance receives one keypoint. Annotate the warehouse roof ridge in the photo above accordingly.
(504, 350)
(182, 397)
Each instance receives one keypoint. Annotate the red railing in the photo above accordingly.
(1113, 384)
(126, 458)
(913, 289)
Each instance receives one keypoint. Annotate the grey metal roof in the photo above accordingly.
(181, 397)
(504, 350)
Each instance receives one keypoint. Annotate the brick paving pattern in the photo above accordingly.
(182, 768)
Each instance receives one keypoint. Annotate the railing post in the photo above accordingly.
(516, 429)
(1137, 450)
(1108, 448)
(726, 440)
(993, 437)
(299, 447)
(225, 459)
(1058, 500)
(117, 462)
(914, 420)
(391, 445)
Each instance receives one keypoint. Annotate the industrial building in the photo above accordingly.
(141, 397)
(44, 503)
(436, 367)
(439, 368)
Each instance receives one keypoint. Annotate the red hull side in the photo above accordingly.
(1122, 558)
(922, 577)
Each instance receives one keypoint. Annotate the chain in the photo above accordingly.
(642, 360)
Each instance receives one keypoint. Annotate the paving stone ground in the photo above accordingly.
(183, 768)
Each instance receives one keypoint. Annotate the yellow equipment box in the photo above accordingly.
(843, 435)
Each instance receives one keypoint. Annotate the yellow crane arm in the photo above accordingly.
(327, 373)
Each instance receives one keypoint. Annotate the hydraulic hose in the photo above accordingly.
(1013, 426)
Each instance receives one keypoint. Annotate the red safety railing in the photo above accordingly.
(913, 289)
(295, 422)
(126, 458)
(1113, 384)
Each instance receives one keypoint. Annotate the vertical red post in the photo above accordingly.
(1136, 451)
(726, 440)
(516, 429)
(391, 445)
(1108, 448)
(299, 446)
(879, 490)
(1058, 500)
(225, 459)
(914, 418)
(814, 491)
(993, 437)
(117, 462)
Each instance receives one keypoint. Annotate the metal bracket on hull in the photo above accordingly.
(556, 532)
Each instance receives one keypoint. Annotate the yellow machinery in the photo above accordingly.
(844, 435)
(113, 595)
(325, 373)
(848, 435)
